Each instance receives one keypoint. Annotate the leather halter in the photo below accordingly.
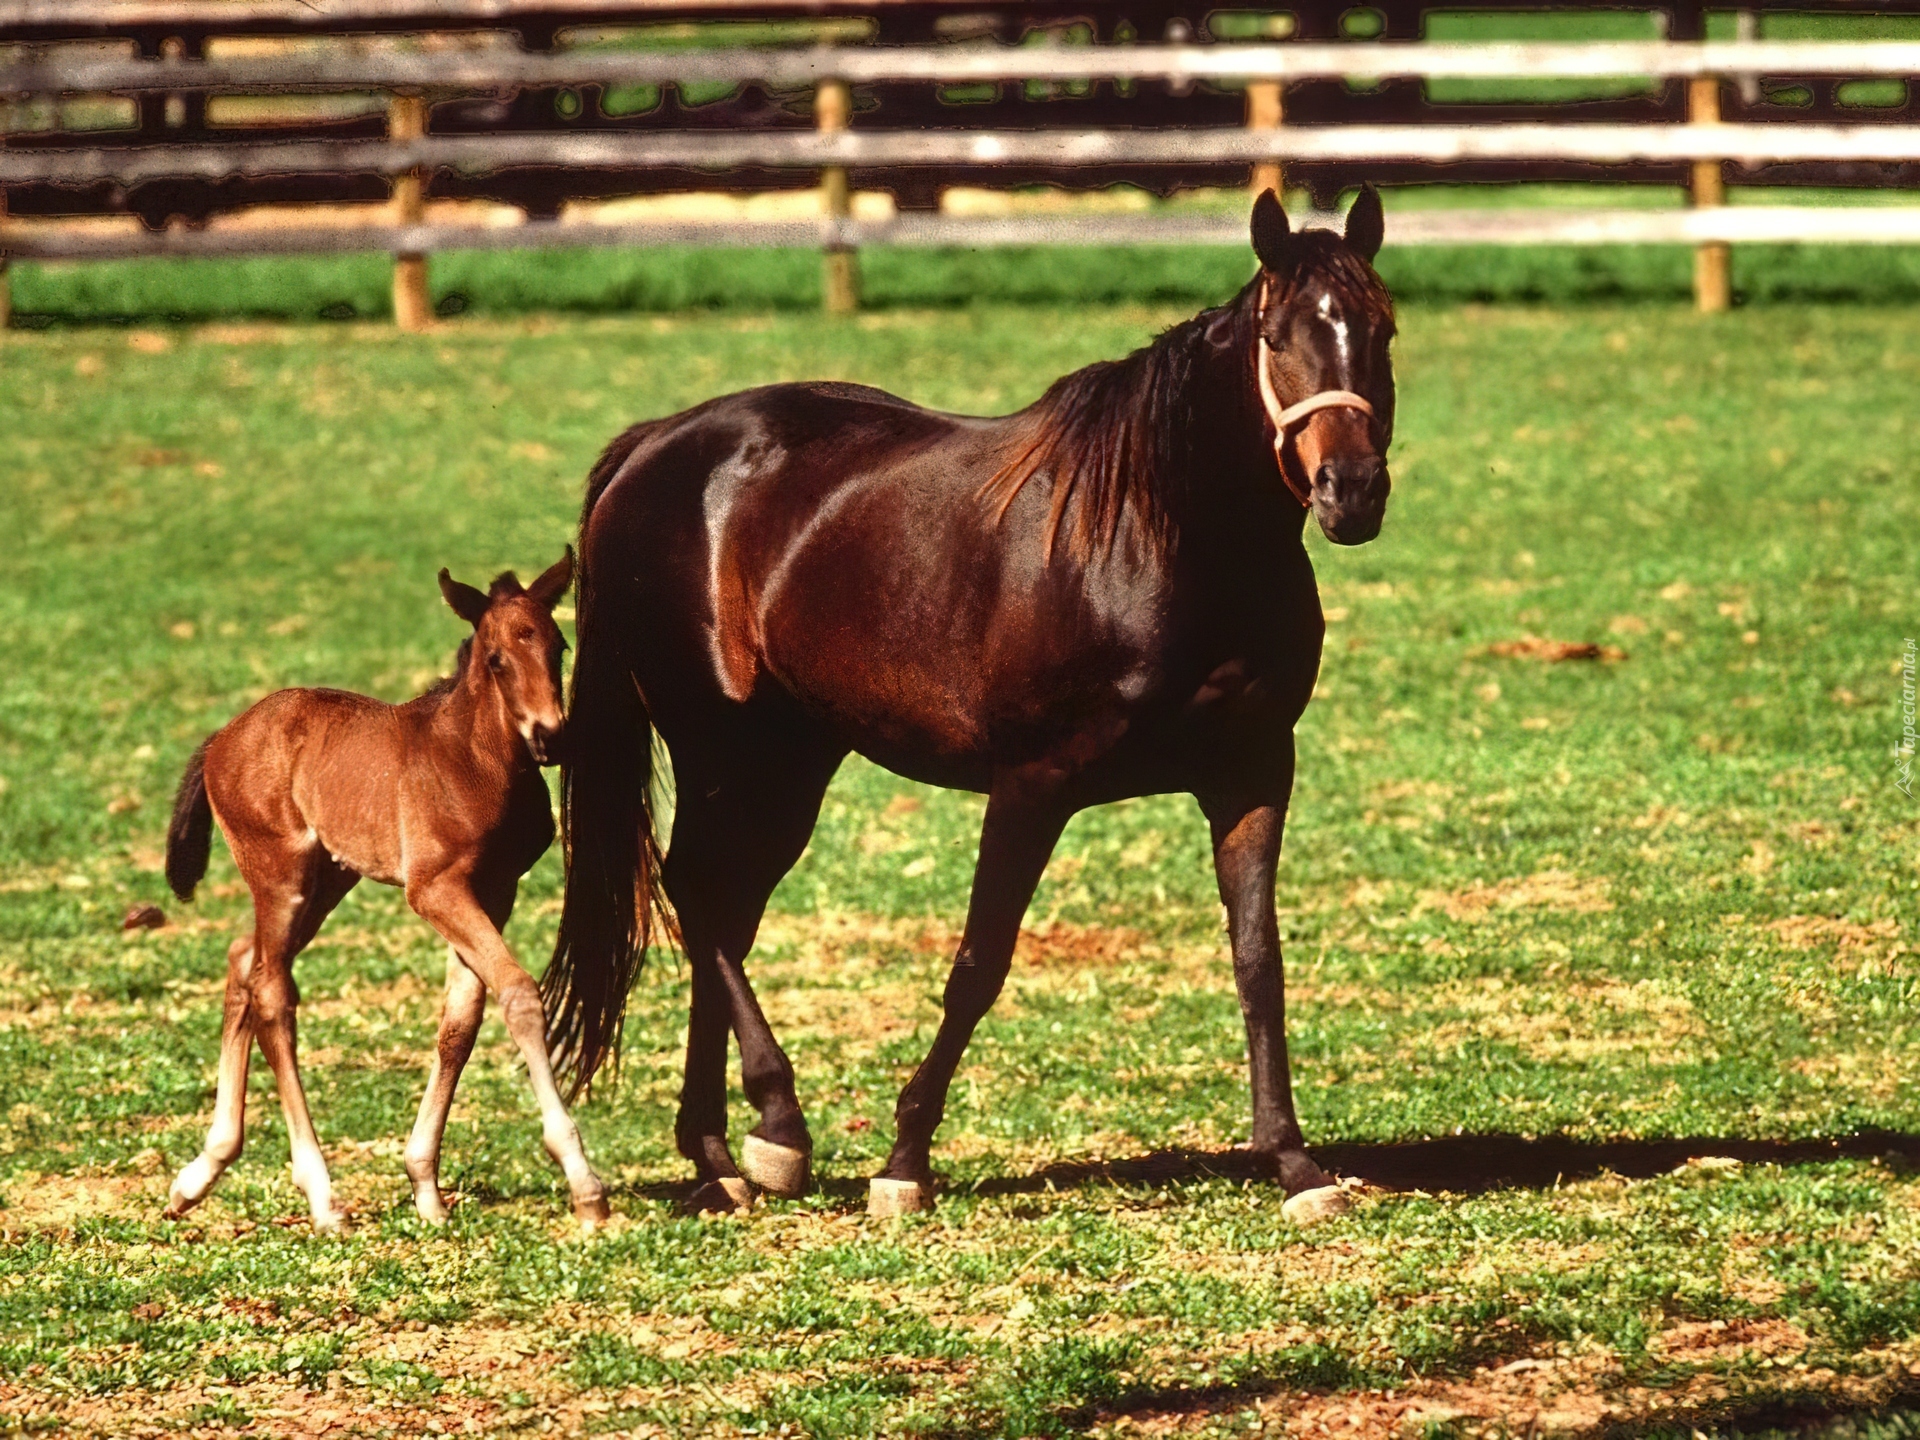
(1289, 417)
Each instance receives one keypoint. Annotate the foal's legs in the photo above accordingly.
(733, 838)
(448, 903)
(1018, 836)
(227, 1134)
(1246, 853)
(283, 924)
(260, 1003)
(466, 1003)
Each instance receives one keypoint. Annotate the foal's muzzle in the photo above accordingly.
(1350, 498)
(545, 743)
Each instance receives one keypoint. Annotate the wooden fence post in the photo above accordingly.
(1712, 260)
(412, 306)
(840, 264)
(6, 281)
(1265, 111)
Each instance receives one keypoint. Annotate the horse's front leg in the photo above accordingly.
(1246, 856)
(448, 902)
(1018, 836)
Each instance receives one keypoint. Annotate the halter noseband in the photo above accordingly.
(1286, 418)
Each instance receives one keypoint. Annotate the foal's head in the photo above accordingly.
(1322, 367)
(516, 649)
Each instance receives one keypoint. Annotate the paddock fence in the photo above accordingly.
(178, 115)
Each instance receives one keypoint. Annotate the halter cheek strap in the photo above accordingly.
(1288, 417)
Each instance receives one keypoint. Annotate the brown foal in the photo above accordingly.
(443, 796)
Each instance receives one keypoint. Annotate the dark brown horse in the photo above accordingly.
(442, 795)
(1105, 595)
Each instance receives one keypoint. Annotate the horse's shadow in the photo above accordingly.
(1461, 1164)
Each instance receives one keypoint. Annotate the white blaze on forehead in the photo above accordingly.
(1342, 335)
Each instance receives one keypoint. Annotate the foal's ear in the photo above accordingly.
(468, 603)
(553, 581)
(1366, 225)
(1271, 233)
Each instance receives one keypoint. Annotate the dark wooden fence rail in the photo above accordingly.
(527, 121)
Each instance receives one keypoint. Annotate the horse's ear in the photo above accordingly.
(1366, 225)
(466, 602)
(553, 581)
(1271, 233)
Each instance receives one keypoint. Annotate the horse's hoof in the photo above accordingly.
(330, 1222)
(729, 1195)
(592, 1212)
(777, 1169)
(1311, 1207)
(887, 1198)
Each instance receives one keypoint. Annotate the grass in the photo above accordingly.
(671, 281)
(1610, 914)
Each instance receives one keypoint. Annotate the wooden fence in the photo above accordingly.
(467, 120)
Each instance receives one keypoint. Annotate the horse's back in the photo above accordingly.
(832, 542)
(300, 753)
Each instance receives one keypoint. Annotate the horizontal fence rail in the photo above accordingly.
(1883, 225)
(811, 150)
(484, 121)
(960, 64)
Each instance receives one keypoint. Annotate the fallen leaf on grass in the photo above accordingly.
(1537, 647)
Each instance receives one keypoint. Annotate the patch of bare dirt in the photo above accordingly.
(60, 1202)
(1803, 932)
(1578, 1021)
(1546, 890)
(1565, 1396)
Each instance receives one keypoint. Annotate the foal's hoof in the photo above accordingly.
(777, 1169)
(1311, 1207)
(887, 1198)
(729, 1195)
(592, 1212)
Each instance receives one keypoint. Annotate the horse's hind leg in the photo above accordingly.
(283, 924)
(466, 1004)
(1015, 841)
(227, 1134)
(735, 834)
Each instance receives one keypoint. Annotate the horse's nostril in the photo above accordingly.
(1326, 477)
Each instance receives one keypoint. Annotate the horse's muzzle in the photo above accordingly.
(1350, 498)
(546, 744)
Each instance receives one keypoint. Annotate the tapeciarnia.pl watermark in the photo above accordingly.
(1903, 751)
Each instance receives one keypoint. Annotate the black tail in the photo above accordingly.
(614, 903)
(190, 832)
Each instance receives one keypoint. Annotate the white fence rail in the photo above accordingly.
(1702, 141)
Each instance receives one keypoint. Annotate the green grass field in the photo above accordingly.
(1583, 908)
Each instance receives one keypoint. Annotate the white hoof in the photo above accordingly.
(430, 1205)
(887, 1198)
(1311, 1207)
(729, 1195)
(777, 1169)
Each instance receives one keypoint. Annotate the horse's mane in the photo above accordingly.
(1118, 434)
(446, 684)
(1115, 435)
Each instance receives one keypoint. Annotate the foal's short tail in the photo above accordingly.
(190, 832)
(614, 904)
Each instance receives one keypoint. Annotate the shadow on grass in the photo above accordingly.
(1471, 1164)
(1462, 1164)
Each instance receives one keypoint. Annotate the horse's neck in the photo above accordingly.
(1234, 500)
(472, 718)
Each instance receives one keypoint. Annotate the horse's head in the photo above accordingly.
(517, 648)
(1321, 365)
